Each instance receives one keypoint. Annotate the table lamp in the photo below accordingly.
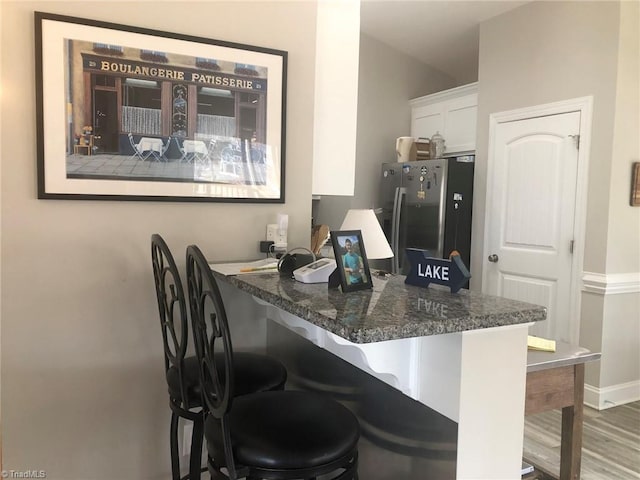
(375, 242)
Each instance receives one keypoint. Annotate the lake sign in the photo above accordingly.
(426, 269)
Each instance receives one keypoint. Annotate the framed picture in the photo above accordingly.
(351, 260)
(128, 113)
(635, 185)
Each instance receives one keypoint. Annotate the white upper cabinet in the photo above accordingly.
(452, 113)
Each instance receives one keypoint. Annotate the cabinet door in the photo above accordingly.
(336, 90)
(427, 120)
(460, 124)
(452, 113)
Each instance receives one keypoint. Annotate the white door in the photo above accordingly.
(530, 216)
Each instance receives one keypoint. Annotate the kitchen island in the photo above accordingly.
(462, 355)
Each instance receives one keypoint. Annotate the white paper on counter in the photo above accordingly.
(265, 265)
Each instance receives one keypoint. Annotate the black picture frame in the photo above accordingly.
(130, 113)
(339, 238)
(635, 185)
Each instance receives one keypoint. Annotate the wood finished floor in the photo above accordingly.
(610, 443)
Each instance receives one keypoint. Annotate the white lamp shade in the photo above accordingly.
(375, 242)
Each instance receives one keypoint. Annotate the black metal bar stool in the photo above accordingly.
(255, 373)
(267, 435)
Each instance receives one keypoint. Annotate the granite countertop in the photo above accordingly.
(390, 311)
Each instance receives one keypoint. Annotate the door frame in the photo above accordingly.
(584, 105)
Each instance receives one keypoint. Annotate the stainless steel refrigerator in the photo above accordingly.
(427, 205)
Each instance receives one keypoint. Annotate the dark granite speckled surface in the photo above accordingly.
(390, 311)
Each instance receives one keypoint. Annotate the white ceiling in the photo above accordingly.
(443, 34)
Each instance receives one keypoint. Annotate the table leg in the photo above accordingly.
(572, 419)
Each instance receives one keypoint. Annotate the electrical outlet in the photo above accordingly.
(279, 239)
(272, 232)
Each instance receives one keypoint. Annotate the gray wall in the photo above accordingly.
(549, 51)
(625, 257)
(387, 81)
(83, 394)
(621, 319)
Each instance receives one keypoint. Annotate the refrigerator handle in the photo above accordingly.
(395, 228)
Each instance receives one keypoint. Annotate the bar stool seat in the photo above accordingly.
(283, 431)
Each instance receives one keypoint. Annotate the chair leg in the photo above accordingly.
(173, 440)
(195, 459)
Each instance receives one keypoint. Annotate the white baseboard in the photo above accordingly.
(607, 397)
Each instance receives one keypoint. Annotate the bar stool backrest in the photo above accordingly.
(173, 312)
(211, 334)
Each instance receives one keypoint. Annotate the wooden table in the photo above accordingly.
(556, 380)
(85, 141)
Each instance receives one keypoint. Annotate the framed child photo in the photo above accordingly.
(351, 260)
